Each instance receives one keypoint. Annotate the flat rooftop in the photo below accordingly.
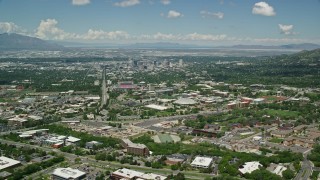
(7, 162)
(68, 173)
(201, 161)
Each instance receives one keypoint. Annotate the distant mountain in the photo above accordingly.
(12, 41)
(304, 46)
(312, 54)
(159, 45)
(86, 44)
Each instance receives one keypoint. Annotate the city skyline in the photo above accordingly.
(205, 22)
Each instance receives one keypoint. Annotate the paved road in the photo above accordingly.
(115, 165)
(282, 147)
(306, 168)
(104, 90)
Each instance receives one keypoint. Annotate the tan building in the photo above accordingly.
(299, 128)
(303, 142)
(136, 149)
(281, 133)
(17, 121)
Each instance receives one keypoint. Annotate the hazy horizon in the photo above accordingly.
(204, 22)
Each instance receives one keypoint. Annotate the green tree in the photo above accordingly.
(288, 174)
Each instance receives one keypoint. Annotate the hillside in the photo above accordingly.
(19, 42)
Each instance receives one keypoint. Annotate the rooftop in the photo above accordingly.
(249, 167)
(157, 107)
(185, 101)
(68, 173)
(7, 162)
(201, 161)
(130, 174)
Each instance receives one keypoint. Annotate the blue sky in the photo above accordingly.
(206, 22)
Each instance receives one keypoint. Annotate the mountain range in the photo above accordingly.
(12, 41)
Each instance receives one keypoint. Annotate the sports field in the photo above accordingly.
(165, 138)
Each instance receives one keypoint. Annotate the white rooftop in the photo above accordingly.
(201, 161)
(18, 119)
(249, 167)
(185, 101)
(33, 131)
(153, 176)
(130, 174)
(34, 117)
(7, 162)
(279, 169)
(68, 173)
(73, 139)
(157, 107)
(127, 173)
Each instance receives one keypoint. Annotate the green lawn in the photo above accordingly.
(165, 138)
(282, 113)
(276, 140)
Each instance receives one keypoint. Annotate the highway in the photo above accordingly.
(104, 164)
(306, 168)
(104, 91)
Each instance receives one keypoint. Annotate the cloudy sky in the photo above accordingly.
(206, 22)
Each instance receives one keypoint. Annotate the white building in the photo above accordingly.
(185, 101)
(259, 101)
(276, 169)
(131, 174)
(249, 167)
(7, 162)
(201, 162)
(156, 107)
(67, 174)
(72, 140)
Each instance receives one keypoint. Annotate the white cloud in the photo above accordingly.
(161, 36)
(48, 29)
(264, 9)
(180, 37)
(80, 2)
(279, 40)
(9, 27)
(101, 35)
(286, 29)
(205, 37)
(206, 14)
(165, 2)
(127, 3)
(174, 14)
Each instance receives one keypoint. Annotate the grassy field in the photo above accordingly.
(282, 113)
(276, 140)
(165, 138)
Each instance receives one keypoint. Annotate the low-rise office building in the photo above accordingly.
(249, 167)
(128, 174)
(8, 163)
(202, 162)
(134, 148)
(68, 174)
